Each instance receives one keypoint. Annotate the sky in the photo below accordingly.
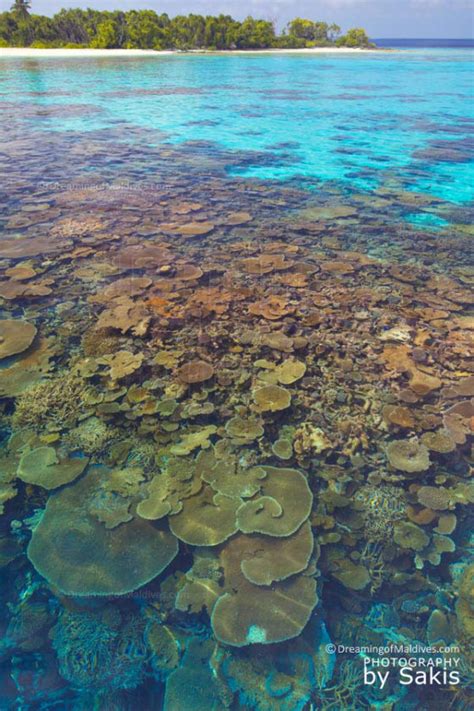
(381, 18)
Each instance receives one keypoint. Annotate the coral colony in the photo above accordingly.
(237, 420)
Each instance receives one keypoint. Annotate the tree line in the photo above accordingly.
(146, 29)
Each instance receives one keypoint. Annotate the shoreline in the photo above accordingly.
(30, 52)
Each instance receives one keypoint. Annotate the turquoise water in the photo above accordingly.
(363, 120)
(236, 382)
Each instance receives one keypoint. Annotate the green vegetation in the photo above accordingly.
(145, 29)
(356, 37)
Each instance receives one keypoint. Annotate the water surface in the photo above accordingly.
(236, 381)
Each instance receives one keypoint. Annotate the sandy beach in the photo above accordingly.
(29, 52)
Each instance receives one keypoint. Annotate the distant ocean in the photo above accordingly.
(420, 43)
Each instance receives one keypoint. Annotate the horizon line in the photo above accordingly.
(443, 38)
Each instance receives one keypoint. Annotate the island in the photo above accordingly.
(148, 30)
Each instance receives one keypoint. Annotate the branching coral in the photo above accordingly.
(91, 436)
(270, 684)
(100, 650)
(57, 402)
(381, 506)
(346, 692)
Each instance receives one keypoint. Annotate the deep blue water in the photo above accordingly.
(420, 43)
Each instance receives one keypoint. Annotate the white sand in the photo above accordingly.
(25, 52)
(29, 52)
(308, 50)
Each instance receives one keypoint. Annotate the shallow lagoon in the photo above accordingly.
(236, 379)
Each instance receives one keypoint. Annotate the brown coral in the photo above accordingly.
(77, 554)
(206, 519)
(266, 560)
(196, 371)
(15, 337)
(245, 430)
(283, 504)
(409, 535)
(408, 456)
(433, 497)
(58, 402)
(43, 467)
(250, 614)
(121, 363)
(272, 308)
(271, 398)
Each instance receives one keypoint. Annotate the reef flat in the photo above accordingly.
(237, 420)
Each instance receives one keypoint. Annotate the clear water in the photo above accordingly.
(209, 265)
(362, 121)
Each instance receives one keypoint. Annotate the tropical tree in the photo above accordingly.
(145, 29)
(302, 29)
(188, 31)
(7, 28)
(254, 34)
(21, 8)
(333, 32)
(220, 32)
(356, 37)
(107, 36)
(311, 32)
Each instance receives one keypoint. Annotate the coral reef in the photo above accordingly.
(242, 409)
(100, 650)
(76, 553)
(15, 337)
(57, 403)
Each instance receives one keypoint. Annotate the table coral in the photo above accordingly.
(196, 371)
(433, 497)
(244, 430)
(265, 560)
(43, 467)
(280, 508)
(290, 371)
(15, 337)
(77, 554)
(121, 363)
(408, 456)
(228, 476)
(409, 535)
(206, 519)
(271, 398)
(258, 615)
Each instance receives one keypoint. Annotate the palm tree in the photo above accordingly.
(21, 8)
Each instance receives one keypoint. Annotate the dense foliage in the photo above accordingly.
(145, 29)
